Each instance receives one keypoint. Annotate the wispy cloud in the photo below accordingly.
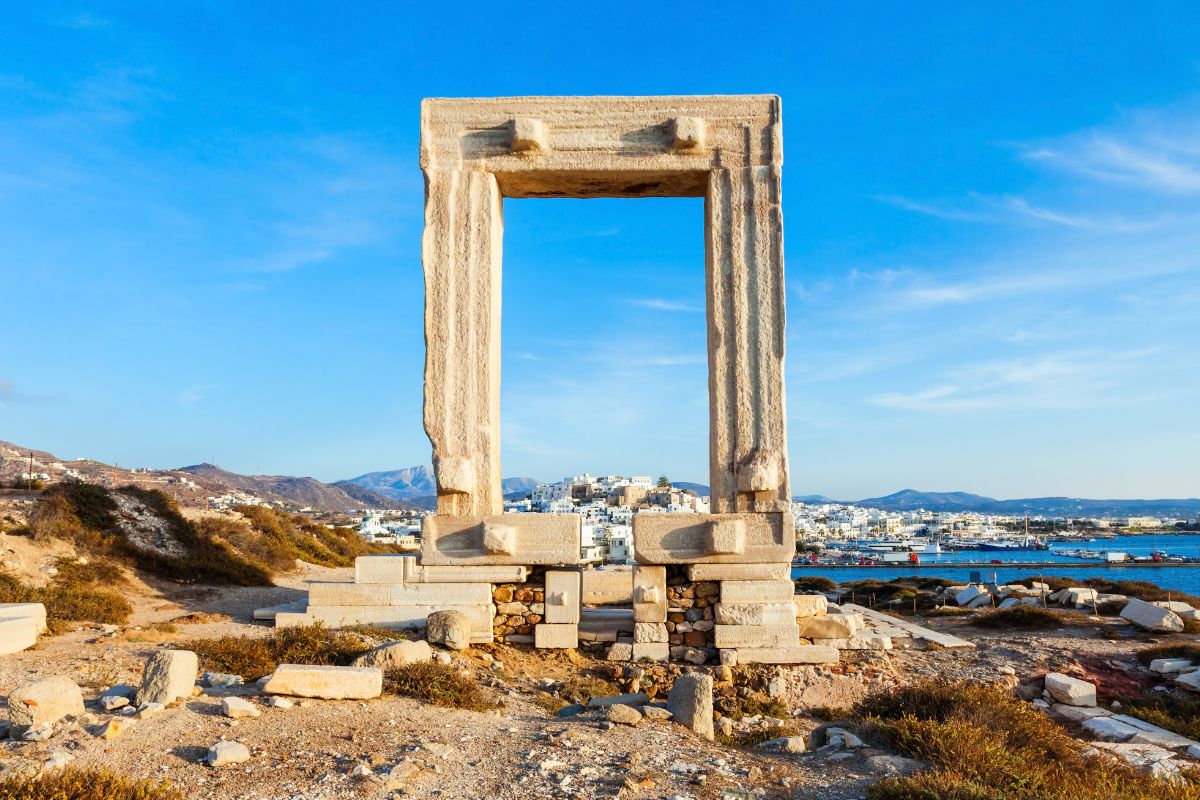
(659, 304)
(192, 395)
(6, 392)
(675, 361)
(1014, 209)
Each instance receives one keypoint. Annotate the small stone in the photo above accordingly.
(785, 744)
(220, 680)
(47, 700)
(57, 760)
(239, 708)
(38, 733)
(622, 714)
(149, 710)
(655, 712)
(395, 654)
(401, 773)
(112, 729)
(279, 702)
(892, 765)
(1070, 691)
(225, 752)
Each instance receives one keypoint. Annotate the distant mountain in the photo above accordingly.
(699, 488)
(417, 484)
(813, 499)
(911, 500)
(298, 491)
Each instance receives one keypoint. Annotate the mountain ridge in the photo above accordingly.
(912, 499)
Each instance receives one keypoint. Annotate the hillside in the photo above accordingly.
(304, 492)
(911, 500)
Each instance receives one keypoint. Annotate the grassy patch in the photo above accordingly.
(1025, 618)
(984, 743)
(81, 784)
(437, 684)
(548, 702)
(1189, 651)
(758, 703)
(581, 688)
(253, 657)
(67, 602)
(279, 538)
(949, 611)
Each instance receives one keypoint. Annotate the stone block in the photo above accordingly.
(859, 641)
(970, 594)
(44, 702)
(239, 708)
(810, 605)
(224, 752)
(408, 569)
(448, 628)
(324, 682)
(757, 591)
(691, 703)
(1168, 666)
(1108, 729)
(269, 613)
(714, 538)
(1080, 597)
(17, 634)
(649, 593)
(801, 654)
(620, 651)
(528, 135)
(736, 636)
(649, 632)
(739, 572)
(564, 596)
(555, 636)
(688, 133)
(398, 594)
(1189, 681)
(169, 675)
(551, 539)
(395, 654)
(394, 617)
(831, 626)
(1070, 691)
(32, 611)
(754, 613)
(1151, 618)
(651, 651)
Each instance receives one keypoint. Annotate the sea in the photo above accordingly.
(1179, 578)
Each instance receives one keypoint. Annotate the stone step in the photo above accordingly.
(394, 617)
(914, 630)
(409, 569)
(398, 594)
(801, 654)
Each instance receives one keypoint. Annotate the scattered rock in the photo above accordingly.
(45, 701)
(622, 714)
(169, 675)
(326, 683)
(785, 744)
(655, 712)
(1071, 691)
(573, 710)
(395, 654)
(893, 765)
(1107, 729)
(220, 680)
(638, 699)
(224, 752)
(1151, 617)
(279, 702)
(401, 774)
(691, 703)
(112, 729)
(239, 708)
(450, 629)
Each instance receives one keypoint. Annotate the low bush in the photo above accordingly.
(67, 601)
(949, 611)
(581, 688)
(814, 584)
(436, 684)
(254, 657)
(82, 784)
(757, 703)
(1190, 651)
(984, 743)
(277, 539)
(1026, 618)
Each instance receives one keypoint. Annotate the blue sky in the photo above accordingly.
(211, 221)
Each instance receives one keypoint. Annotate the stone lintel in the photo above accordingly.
(689, 539)
(537, 539)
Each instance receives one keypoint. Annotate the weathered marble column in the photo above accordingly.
(461, 251)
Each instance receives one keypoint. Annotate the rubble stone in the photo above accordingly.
(451, 629)
(324, 682)
(1152, 618)
(169, 675)
(691, 703)
(1070, 691)
(44, 702)
(225, 752)
(395, 654)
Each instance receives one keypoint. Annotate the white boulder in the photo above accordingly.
(1070, 691)
(1151, 617)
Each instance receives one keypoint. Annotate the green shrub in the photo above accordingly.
(436, 684)
(984, 743)
(254, 657)
(1177, 714)
(82, 784)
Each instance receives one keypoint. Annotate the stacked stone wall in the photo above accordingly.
(690, 617)
(519, 606)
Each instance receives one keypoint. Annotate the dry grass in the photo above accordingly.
(984, 743)
(581, 688)
(437, 684)
(949, 611)
(1190, 651)
(80, 784)
(277, 539)
(756, 737)
(1026, 618)
(757, 703)
(254, 657)
(67, 602)
(1177, 714)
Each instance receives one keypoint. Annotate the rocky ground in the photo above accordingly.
(334, 749)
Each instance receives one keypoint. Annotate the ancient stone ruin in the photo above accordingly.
(705, 585)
